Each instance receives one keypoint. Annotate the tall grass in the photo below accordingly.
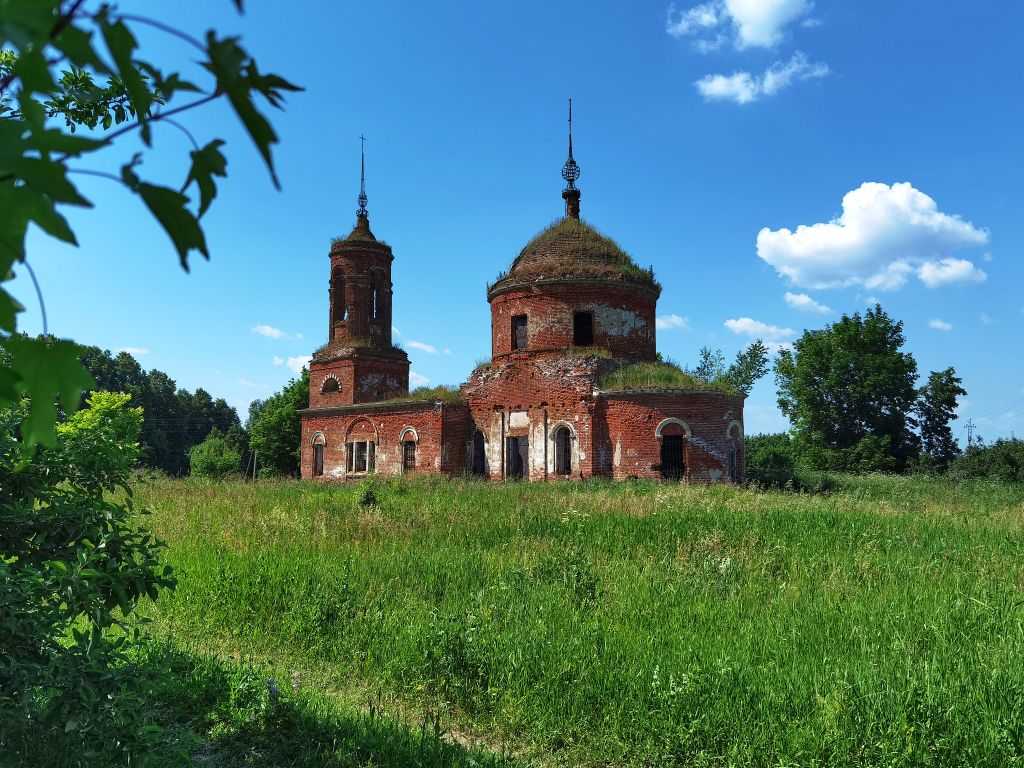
(633, 623)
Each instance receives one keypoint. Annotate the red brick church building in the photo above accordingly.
(571, 320)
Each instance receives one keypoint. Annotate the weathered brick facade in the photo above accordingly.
(572, 309)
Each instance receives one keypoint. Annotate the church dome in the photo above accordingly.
(572, 249)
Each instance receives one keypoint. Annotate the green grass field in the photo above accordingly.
(600, 624)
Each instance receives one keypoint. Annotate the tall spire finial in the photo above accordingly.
(361, 213)
(571, 172)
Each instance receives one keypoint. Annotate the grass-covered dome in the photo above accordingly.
(571, 248)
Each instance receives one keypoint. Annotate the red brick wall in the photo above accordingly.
(623, 317)
(387, 424)
(363, 378)
(524, 395)
(627, 445)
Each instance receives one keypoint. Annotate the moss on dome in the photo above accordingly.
(570, 248)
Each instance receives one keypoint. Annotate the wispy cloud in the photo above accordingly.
(744, 87)
(741, 23)
(417, 379)
(274, 333)
(755, 329)
(135, 350)
(246, 383)
(940, 325)
(278, 360)
(804, 303)
(298, 363)
(668, 322)
(423, 347)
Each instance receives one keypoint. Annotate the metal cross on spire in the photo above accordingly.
(361, 213)
(570, 171)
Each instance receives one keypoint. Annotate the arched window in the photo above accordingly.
(479, 454)
(338, 295)
(563, 451)
(319, 442)
(408, 454)
(331, 384)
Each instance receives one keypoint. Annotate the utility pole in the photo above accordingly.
(970, 432)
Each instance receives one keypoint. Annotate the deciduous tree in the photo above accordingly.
(849, 391)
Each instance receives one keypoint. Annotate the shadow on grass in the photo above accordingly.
(223, 714)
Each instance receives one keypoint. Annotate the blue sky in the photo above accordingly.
(778, 162)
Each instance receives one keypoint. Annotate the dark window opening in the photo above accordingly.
(673, 465)
(517, 459)
(330, 385)
(318, 460)
(733, 466)
(479, 457)
(563, 451)
(582, 329)
(373, 301)
(408, 456)
(361, 456)
(519, 337)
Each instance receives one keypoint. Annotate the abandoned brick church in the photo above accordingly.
(571, 390)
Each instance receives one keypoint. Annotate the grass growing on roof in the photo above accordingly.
(657, 376)
(447, 393)
(572, 248)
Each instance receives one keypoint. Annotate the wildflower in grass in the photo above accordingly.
(272, 687)
(295, 680)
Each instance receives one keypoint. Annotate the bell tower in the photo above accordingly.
(359, 363)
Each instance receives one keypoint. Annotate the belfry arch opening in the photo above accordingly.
(338, 295)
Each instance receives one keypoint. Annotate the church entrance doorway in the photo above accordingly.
(479, 458)
(517, 459)
(673, 467)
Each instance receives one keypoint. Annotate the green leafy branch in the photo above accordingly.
(106, 87)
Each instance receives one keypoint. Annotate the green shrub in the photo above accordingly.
(1003, 460)
(214, 457)
(74, 564)
(772, 462)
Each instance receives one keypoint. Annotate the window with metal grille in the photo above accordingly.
(408, 456)
(582, 329)
(519, 336)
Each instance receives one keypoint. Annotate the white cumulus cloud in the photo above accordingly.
(423, 347)
(945, 271)
(298, 363)
(744, 23)
(940, 325)
(274, 333)
(745, 87)
(747, 326)
(883, 234)
(804, 303)
(668, 322)
(135, 350)
(417, 379)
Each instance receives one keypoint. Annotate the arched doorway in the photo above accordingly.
(479, 467)
(672, 434)
(563, 451)
(319, 443)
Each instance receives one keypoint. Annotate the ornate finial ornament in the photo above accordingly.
(362, 213)
(571, 172)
